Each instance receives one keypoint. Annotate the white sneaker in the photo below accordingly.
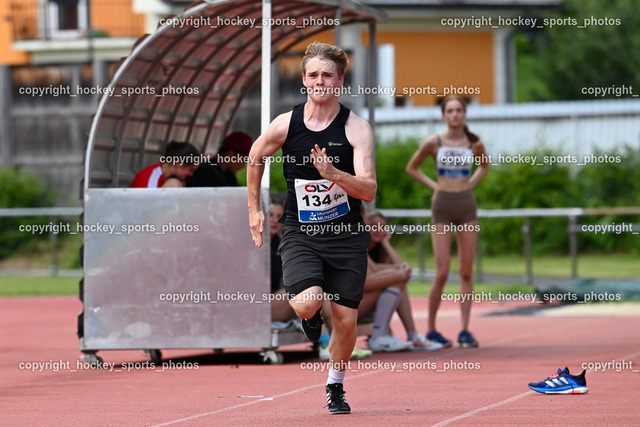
(323, 354)
(421, 343)
(389, 343)
(356, 354)
(360, 353)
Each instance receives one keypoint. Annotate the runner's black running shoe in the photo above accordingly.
(313, 327)
(335, 400)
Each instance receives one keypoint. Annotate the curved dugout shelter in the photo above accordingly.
(176, 268)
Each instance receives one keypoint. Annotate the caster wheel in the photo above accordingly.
(154, 354)
(273, 357)
(92, 358)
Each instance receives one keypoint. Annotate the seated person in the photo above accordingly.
(384, 258)
(383, 290)
(222, 169)
(178, 162)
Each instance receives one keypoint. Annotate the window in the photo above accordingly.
(66, 18)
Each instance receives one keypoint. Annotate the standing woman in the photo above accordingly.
(453, 208)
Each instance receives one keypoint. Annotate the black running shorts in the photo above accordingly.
(336, 262)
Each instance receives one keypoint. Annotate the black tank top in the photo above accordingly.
(296, 152)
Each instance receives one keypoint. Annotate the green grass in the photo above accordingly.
(56, 285)
(597, 266)
(611, 266)
(39, 255)
(38, 285)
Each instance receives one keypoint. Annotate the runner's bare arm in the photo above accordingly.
(264, 147)
(363, 184)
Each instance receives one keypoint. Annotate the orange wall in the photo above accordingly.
(429, 62)
(116, 20)
(442, 60)
(9, 56)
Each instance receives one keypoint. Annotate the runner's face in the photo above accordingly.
(454, 113)
(322, 80)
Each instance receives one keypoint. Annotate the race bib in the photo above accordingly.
(454, 162)
(320, 200)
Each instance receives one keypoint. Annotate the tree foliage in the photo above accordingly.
(19, 189)
(593, 45)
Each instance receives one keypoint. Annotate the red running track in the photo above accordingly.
(483, 386)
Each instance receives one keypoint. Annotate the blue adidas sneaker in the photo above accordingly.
(465, 339)
(562, 382)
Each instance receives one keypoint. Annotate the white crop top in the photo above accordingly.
(454, 162)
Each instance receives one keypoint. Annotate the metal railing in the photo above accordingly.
(572, 214)
(573, 229)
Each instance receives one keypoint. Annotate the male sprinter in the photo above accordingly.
(328, 164)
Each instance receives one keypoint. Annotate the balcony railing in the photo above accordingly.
(69, 19)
